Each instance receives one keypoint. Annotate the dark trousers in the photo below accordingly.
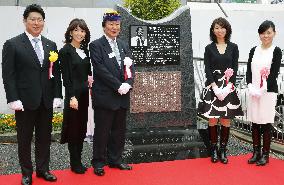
(26, 121)
(109, 136)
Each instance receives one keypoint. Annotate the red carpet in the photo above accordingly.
(182, 172)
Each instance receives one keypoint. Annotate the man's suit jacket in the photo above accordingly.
(134, 41)
(23, 77)
(108, 76)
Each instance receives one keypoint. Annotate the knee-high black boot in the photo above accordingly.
(225, 131)
(266, 145)
(256, 144)
(75, 162)
(213, 141)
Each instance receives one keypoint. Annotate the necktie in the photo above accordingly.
(116, 52)
(140, 42)
(37, 50)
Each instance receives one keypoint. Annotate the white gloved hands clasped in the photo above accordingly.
(218, 92)
(16, 105)
(124, 88)
(254, 92)
(226, 90)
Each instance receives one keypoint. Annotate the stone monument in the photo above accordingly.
(163, 107)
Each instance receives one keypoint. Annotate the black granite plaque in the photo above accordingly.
(164, 89)
(155, 44)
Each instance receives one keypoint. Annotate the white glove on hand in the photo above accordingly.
(253, 91)
(57, 102)
(218, 93)
(124, 88)
(16, 105)
(226, 90)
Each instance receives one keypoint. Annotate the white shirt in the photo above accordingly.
(110, 41)
(33, 43)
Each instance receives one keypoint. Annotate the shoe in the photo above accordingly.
(256, 155)
(84, 167)
(121, 166)
(263, 160)
(222, 154)
(78, 169)
(99, 171)
(214, 153)
(26, 180)
(47, 176)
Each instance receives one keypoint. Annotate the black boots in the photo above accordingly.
(263, 160)
(256, 144)
(214, 154)
(224, 137)
(213, 141)
(266, 129)
(257, 158)
(75, 151)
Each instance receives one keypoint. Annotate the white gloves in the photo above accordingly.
(254, 92)
(124, 88)
(16, 105)
(226, 90)
(57, 102)
(222, 93)
(218, 92)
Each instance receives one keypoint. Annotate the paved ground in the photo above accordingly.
(60, 156)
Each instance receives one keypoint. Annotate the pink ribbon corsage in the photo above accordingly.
(228, 74)
(127, 65)
(264, 72)
(53, 56)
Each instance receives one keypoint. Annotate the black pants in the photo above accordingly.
(109, 136)
(26, 121)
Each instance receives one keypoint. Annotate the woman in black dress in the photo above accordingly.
(219, 100)
(75, 66)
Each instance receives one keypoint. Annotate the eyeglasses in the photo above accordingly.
(34, 19)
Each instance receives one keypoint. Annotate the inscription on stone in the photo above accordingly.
(156, 92)
(155, 45)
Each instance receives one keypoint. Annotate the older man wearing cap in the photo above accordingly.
(113, 77)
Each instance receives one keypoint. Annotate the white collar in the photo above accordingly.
(31, 37)
(109, 39)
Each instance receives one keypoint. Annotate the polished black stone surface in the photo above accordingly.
(187, 115)
(163, 144)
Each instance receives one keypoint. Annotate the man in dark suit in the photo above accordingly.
(113, 78)
(139, 39)
(32, 91)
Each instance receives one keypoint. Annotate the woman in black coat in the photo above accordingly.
(219, 100)
(75, 66)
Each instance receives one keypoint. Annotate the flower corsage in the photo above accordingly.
(127, 65)
(264, 72)
(228, 74)
(53, 56)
